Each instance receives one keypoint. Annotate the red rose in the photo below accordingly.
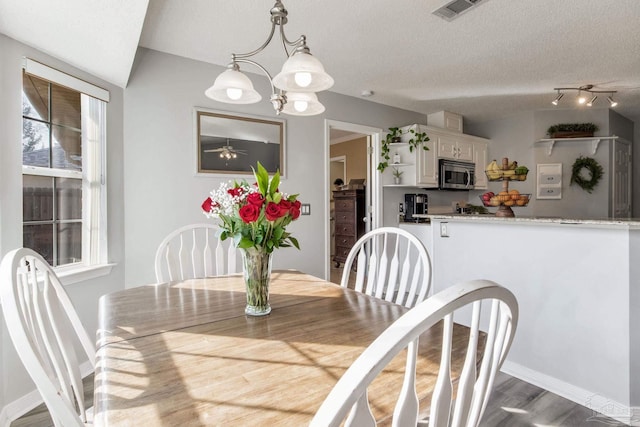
(249, 213)
(273, 211)
(295, 212)
(207, 205)
(235, 192)
(255, 199)
(297, 204)
(285, 206)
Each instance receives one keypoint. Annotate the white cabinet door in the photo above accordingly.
(464, 151)
(447, 147)
(621, 186)
(480, 160)
(451, 147)
(427, 166)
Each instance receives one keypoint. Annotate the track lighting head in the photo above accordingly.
(582, 97)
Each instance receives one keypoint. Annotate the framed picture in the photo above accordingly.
(231, 143)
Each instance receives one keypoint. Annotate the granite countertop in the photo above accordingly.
(633, 223)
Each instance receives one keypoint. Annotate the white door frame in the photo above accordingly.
(373, 178)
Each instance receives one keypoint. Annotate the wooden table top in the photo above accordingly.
(186, 354)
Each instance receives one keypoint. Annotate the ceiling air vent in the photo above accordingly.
(455, 8)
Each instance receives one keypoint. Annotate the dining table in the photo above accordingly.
(185, 354)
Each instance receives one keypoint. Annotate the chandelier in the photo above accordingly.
(292, 90)
(587, 98)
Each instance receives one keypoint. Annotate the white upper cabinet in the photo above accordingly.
(455, 147)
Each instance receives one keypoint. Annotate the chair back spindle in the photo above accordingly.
(390, 264)
(193, 252)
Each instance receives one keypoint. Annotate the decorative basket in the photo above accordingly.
(504, 175)
(517, 200)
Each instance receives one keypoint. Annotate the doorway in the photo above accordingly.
(350, 149)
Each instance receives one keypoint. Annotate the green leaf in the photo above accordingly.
(277, 233)
(262, 178)
(275, 182)
(294, 241)
(223, 236)
(245, 243)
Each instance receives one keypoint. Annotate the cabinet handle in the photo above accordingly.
(344, 240)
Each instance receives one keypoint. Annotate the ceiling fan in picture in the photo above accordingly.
(227, 151)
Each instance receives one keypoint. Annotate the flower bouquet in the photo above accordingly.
(255, 216)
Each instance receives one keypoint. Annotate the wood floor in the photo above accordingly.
(514, 403)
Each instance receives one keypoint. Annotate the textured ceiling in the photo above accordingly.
(502, 57)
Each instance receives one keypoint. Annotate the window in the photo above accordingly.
(63, 143)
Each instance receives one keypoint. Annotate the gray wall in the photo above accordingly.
(162, 190)
(515, 137)
(84, 295)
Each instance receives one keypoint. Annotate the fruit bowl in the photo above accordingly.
(511, 199)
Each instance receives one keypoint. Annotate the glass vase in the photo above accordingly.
(256, 266)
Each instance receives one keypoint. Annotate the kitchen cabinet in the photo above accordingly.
(455, 147)
(420, 168)
(349, 213)
(480, 159)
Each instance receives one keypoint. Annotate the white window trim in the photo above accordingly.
(95, 251)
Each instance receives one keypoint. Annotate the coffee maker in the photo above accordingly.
(415, 204)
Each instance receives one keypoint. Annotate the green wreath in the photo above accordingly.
(594, 169)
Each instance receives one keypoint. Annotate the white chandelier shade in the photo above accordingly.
(302, 104)
(302, 72)
(233, 87)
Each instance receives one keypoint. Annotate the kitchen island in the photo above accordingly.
(579, 293)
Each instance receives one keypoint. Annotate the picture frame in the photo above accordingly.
(232, 143)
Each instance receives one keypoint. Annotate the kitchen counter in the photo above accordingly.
(629, 223)
(577, 282)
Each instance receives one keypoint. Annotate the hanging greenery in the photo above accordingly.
(590, 165)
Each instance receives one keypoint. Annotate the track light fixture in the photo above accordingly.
(558, 98)
(302, 75)
(582, 97)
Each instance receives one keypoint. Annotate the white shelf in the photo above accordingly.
(400, 164)
(595, 141)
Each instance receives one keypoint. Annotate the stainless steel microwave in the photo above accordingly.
(456, 175)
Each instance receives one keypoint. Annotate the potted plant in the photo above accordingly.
(572, 130)
(395, 136)
(397, 176)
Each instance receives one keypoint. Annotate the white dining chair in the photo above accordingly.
(45, 328)
(194, 252)
(391, 264)
(349, 395)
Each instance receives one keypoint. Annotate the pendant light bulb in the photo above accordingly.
(303, 79)
(234, 93)
(300, 106)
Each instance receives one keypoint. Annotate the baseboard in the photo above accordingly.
(24, 404)
(600, 405)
